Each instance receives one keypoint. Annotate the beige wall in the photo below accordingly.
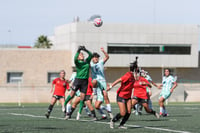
(34, 63)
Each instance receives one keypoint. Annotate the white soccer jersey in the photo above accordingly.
(73, 76)
(98, 70)
(148, 78)
(167, 83)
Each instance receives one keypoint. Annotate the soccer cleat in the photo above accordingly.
(161, 113)
(133, 111)
(165, 115)
(140, 113)
(89, 115)
(78, 116)
(111, 115)
(103, 117)
(156, 115)
(47, 115)
(122, 127)
(94, 119)
(67, 117)
(112, 124)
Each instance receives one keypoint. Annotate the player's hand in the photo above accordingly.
(102, 49)
(83, 48)
(79, 49)
(160, 86)
(171, 90)
(109, 87)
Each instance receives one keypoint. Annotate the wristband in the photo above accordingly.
(110, 86)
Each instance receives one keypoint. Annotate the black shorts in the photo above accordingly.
(122, 100)
(87, 97)
(58, 97)
(140, 100)
(81, 84)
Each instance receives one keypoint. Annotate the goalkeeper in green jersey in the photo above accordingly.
(81, 80)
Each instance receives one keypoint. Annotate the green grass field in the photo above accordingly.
(184, 117)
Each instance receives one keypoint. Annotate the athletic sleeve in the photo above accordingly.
(145, 80)
(67, 86)
(89, 57)
(148, 78)
(172, 79)
(124, 78)
(54, 81)
(76, 58)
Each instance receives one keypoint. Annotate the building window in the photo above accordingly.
(51, 76)
(120, 48)
(14, 77)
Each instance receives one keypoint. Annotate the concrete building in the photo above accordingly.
(157, 46)
(34, 69)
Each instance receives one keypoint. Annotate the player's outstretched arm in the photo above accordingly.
(89, 54)
(113, 84)
(106, 55)
(153, 83)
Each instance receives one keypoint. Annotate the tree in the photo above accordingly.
(43, 42)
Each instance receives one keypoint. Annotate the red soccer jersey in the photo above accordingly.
(60, 87)
(140, 91)
(90, 87)
(126, 87)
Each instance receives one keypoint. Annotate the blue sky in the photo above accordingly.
(22, 21)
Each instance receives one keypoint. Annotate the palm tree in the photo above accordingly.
(43, 42)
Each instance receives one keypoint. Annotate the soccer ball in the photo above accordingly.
(98, 22)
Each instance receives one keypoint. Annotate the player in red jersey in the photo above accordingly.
(124, 95)
(88, 100)
(140, 94)
(60, 85)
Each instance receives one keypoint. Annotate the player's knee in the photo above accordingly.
(123, 113)
(94, 83)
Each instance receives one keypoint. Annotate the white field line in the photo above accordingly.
(100, 122)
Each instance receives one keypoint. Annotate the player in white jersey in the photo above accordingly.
(168, 85)
(99, 82)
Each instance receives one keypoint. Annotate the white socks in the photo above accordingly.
(68, 108)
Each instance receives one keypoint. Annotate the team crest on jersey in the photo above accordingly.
(64, 84)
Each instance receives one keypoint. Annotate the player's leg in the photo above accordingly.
(83, 90)
(108, 105)
(161, 104)
(69, 107)
(148, 110)
(50, 108)
(94, 83)
(127, 115)
(76, 86)
(89, 105)
(75, 103)
(118, 116)
(62, 101)
(99, 101)
(70, 96)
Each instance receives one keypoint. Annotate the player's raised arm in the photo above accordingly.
(89, 54)
(77, 54)
(106, 55)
